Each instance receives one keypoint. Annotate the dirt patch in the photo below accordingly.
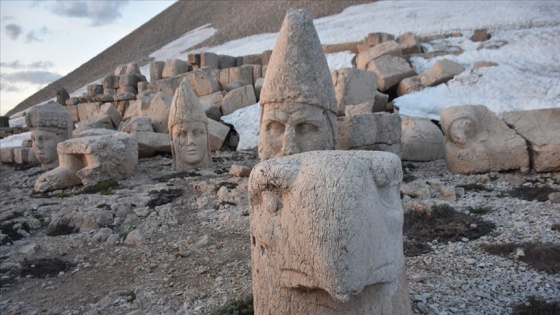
(537, 306)
(44, 267)
(543, 257)
(11, 230)
(240, 306)
(474, 187)
(163, 197)
(413, 248)
(531, 193)
(443, 224)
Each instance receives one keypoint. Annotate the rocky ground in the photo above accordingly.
(165, 242)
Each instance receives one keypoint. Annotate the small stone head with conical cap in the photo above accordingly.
(298, 100)
(188, 130)
(50, 124)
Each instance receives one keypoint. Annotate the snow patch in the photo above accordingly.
(246, 123)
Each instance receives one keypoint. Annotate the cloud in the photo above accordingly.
(37, 36)
(16, 64)
(30, 37)
(99, 12)
(4, 87)
(32, 77)
(13, 30)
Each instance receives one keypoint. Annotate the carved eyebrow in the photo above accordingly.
(316, 122)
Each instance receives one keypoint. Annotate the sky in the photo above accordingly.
(41, 41)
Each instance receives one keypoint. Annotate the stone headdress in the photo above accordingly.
(51, 117)
(298, 70)
(185, 107)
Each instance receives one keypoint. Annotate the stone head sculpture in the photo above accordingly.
(50, 124)
(326, 233)
(298, 100)
(476, 141)
(188, 130)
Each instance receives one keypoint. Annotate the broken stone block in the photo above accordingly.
(217, 134)
(351, 221)
(208, 59)
(94, 122)
(442, 71)
(225, 61)
(409, 85)
(152, 143)
(257, 72)
(258, 87)
(127, 81)
(383, 49)
(480, 35)
(61, 96)
(125, 93)
(390, 70)
(110, 110)
(94, 89)
(73, 111)
(109, 91)
(380, 102)
(167, 86)
(353, 86)
(541, 129)
(156, 70)
(21, 155)
(202, 82)
(194, 59)
(90, 160)
(87, 110)
(265, 57)
(7, 155)
(243, 74)
(421, 140)
(239, 170)
(238, 98)
(92, 132)
(158, 112)
(483, 63)
(137, 124)
(374, 132)
(211, 105)
(409, 44)
(173, 68)
(142, 86)
(360, 109)
(252, 59)
(477, 141)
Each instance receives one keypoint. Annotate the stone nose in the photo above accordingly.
(290, 142)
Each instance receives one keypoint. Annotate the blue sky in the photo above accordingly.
(41, 41)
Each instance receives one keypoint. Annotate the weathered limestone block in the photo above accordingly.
(421, 140)
(477, 141)
(238, 98)
(21, 155)
(152, 143)
(409, 43)
(258, 87)
(252, 59)
(217, 134)
(298, 100)
(129, 68)
(225, 61)
(480, 35)
(87, 110)
(257, 72)
(167, 86)
(194, 60)
(409, 85)
(90, 160)
(92, 132)
(110, 110)
(137, 124)
(380, 102)
(202, 82)
(110, 82)
(127, 81)
(243, 74)
(208, 59)
(353, 86)
(390, 70)
(374, 131)
(335, 248)
(94, 122)
(265, 57)
(156, 70)
(188, 130)
(133, 109)
(94, 89)
(385, 48)
(442, 71)
(7, 155)
(211, 105)
(541, 129)
(109, 92)
(142, 86)
(73, 111)
(360, 109)
(158, 112)
(174, 67)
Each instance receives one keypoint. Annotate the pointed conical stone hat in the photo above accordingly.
(298, 70)
(185, 106)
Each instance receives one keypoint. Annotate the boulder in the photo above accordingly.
(98, 121)
(152, 143)
(541, 129)
(156, 70)
(87, 110)
(380, 102)
(225, 61)
(480, 35)
(158, 112)
(442, 71)
(61, 96)
(90, 160)
(373, 131)
(353, 86)
(210, 60)
(25, 156)
(409, 44)
(385, 48)
(217, 134)
(421, 140)
(211, 104)
(137, 124)
(238, 98)
(173, 68)
(110, 110)
(409, 85)
(477, 141)
(360, 109)
(7, 155)
(390, 70)
(202, 82)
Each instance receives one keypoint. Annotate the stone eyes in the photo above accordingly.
(277, 128)
(270, 203)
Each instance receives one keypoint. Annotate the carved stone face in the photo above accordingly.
(190, 143)
(287, 130)
(44, 146)
(329, 220)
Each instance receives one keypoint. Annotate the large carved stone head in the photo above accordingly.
(298, 100)
(50, 124)
(327, 220)
(188, 130)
